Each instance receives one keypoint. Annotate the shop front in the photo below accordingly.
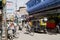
(46, 8)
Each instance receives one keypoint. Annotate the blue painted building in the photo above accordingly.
(39, 5)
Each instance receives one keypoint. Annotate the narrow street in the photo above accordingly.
(37, 36)
(19, 16)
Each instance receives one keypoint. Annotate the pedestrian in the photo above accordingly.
(12, 26)
(27, 26)
(43, 25)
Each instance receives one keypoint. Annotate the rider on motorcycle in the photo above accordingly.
(12, 26)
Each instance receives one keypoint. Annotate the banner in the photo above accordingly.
(10, 5)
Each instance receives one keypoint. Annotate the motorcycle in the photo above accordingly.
(10, 35)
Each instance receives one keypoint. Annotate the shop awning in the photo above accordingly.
(44, 6)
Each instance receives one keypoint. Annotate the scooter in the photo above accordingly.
(10, 35)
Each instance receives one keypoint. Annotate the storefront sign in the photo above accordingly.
(10, 6)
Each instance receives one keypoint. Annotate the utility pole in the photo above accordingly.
(5, 23)
(16, 11)
(4, 34)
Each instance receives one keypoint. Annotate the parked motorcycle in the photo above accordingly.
(10, 35)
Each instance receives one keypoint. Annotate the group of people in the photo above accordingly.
(44, 25)
(31, 24)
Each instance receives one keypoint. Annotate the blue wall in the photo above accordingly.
(32, 3)
(37, 5)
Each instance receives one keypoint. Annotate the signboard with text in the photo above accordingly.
(9, 6)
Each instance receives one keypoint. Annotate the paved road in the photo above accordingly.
(37, 36)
